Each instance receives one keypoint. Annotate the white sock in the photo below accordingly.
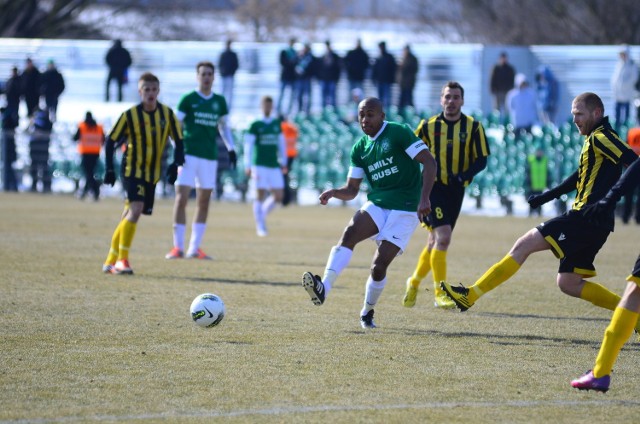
(338, 259)
(372, 294)
(197, 232)
(257, 213)
(178, 236)
(268, 205)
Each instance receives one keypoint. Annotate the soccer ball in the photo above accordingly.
(207, 310)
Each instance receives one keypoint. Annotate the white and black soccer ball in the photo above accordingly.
(207, 310)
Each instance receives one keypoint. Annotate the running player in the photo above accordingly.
(203, 115)
(572, 238)
(389, 155)
(460, 148)
(265, 162)
(145, 128)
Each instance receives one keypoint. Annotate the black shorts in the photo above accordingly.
(635, 274)
(446, 202)
(139, 190)
(575, 241)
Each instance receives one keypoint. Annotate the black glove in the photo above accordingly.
(537, 200)
(233, 159)
(109, 177)
(597, 213)
(426, 221)
(172, 173)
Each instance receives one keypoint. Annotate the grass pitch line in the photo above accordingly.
(320, 408)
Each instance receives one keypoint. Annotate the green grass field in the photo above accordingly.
(80, 346)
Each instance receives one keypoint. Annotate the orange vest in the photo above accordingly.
(91, 139)
(633, 139)
(290, 133)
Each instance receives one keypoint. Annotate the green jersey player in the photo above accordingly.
(389, 155)
(265, 162)
(203, 114)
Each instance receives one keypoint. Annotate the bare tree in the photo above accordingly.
(550, 21)
(43, 19)
(265, 16)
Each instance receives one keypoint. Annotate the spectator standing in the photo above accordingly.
(13, 92)
(407, 74)
(290, 133)
(329, 69)
(623, 82)
(265, 163)
(384, 74)
(30, 85)
(305, 70)
(288, 76)
(502, 78)
(118, 60)
(228, 65)
(40, 129)
(52, 86)
(90, 138)
(356, 63)
(548, 94)
(8, 142)
(522, 105)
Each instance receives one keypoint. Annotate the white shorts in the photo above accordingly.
(394, 226)
(198, 172)
(267, 178)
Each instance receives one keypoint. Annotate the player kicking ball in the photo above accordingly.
(389, 156)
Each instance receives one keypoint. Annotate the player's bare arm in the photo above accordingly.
(347, 192)
(428, 177)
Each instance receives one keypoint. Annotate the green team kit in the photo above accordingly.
(200, 123)
(395, 178)
(267, 143)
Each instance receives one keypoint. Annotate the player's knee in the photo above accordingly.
(378, 271)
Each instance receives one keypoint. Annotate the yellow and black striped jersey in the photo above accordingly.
(454, 145)
(600, 164)
(145, 135)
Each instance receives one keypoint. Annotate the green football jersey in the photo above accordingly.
(200, 123)
(394, 177)
(267, 143)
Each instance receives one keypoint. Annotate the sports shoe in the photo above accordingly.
(443, 301)
(199, 254)
(107, 268)
(410, 294)
(458, 295)
(314, 287)
(589, 382)
(366, 321)
(261, 231)
(175, 253)
(122, 267)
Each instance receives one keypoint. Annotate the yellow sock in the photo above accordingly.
(496, 275)
(115, 243)
(128, 230)
(599, 296)
(422, 269)
(439, 267)
(615, 336)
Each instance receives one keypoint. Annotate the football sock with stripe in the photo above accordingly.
(439, 268)
(615, 336)
(372, 293)
(599, 295)
(127, 231)
(422, 269)
(339, 258)
(496, 275)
